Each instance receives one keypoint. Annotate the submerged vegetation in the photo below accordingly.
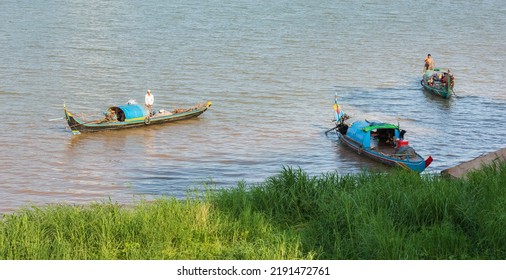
(399, 215)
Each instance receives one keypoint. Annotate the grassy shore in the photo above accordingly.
(392, 216)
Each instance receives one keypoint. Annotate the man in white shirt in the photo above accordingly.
(149, 99)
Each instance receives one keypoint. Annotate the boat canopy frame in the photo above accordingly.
(374, 126)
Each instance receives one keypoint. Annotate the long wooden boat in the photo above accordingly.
(131, 115)
(439, 82)
(380, 141)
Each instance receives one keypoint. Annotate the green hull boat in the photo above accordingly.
(439, 82)
(131, 115)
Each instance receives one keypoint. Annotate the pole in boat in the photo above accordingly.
(338, 114)
(330, 130)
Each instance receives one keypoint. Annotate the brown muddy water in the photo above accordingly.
(271, 72)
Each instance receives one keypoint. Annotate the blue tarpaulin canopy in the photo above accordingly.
(360, 131)
(131, 112)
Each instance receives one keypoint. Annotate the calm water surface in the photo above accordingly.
(271, 71)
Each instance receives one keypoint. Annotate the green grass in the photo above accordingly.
(394, 216)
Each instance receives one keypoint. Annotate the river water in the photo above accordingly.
(271, 69)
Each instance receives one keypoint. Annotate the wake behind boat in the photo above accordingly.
(131, 115)
(380, 141)
(439, 82)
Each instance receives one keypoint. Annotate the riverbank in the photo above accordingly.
(398, 215)
(462, 169)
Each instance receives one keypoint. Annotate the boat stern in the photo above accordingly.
(428, 161)
(416, 166)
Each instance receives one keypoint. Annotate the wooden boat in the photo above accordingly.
(131, 115)
(439, 82)
(380, 141)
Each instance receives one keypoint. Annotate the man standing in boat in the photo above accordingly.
(429, 63)
(149, 99)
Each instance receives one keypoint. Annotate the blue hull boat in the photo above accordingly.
(380, 141)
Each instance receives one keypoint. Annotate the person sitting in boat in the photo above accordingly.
(444, 79)
(430, 82)
(452, 79)
(429, 63)
(446, 75)
(374, 140)
(386, 137)
(110, 116)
